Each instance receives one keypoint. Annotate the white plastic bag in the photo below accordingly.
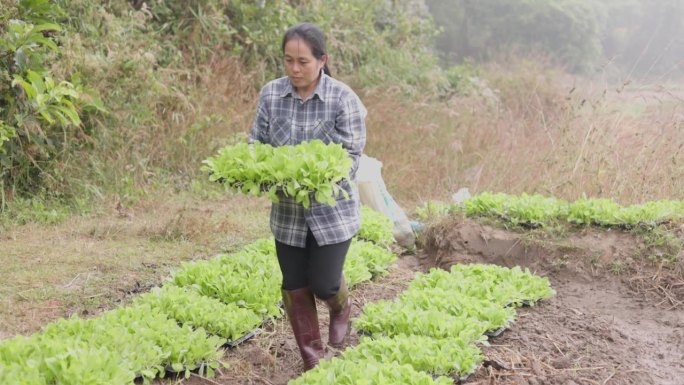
(374, 194)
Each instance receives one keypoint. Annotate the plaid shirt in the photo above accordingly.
(333, 113)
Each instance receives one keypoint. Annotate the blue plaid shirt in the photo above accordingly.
(333, 113)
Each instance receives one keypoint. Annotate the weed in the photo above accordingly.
(561, 262)
(616, 267)
(595, 260)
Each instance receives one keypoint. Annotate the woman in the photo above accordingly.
(312, 243)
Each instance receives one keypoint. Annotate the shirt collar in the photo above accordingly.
(288, 90)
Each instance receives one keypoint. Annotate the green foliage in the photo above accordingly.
(38, 209)
(605, 212)
(567, 30)
(463, 78)
(376, 227)
(39, 116)
(442, 357)
(480, 308)
(435, 324)
(307, 170)
(515, 285)
(145, 339)
(42, 360)
(463, 303)
(379, 40)
(531, 210)
(366, 260)
(346, 372)
(190, 308)
(18, 374)
(384, 318)
(249, 278)
(537, 210)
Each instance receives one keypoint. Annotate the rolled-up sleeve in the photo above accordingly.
(350, 123)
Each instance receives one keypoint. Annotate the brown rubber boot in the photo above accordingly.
(340, 309)
(300, 307)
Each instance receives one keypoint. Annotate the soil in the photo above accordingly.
(600, 328)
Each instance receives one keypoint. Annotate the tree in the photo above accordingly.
(566, 30)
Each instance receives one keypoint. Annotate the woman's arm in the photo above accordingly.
(350, 123)
(259, 131)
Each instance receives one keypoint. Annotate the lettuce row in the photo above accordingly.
(440, 356)
(385, 318)
(434, 326)
(112, 349)
(497, 284)
(190, 308)
(249, 278)
(41, 361)
(538, 210)
(227, 296)
(376, 227)
(366, 260)
(366, 372)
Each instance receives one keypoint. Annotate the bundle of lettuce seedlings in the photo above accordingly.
(306, 171)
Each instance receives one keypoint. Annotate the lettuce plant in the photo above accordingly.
(493, 283)
(385, 318)
(376, 227)
(249, 278)
(366, 372)
(41, 359)
(446, 356)
(193, 309)
(304, 171)
(20, 374)
(492, 314)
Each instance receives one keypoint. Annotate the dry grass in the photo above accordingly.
(89, 264)
(541, 133)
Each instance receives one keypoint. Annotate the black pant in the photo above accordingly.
(314, 266)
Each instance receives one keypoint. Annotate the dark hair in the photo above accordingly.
(313, 36)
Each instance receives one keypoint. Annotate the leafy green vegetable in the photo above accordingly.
(376, 227)
(41, 359)
(20, 374)
(304, 171)
(193, 309)
(180, 344)
(493, 315)
(531, 210)
(385, 318)
(366, 260)
(249, 278)
(446, 356)
(537, 210)
(366, 372)
(493, 283)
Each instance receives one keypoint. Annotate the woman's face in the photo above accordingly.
(301, 66)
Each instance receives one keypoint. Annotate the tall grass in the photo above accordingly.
(541, 132)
